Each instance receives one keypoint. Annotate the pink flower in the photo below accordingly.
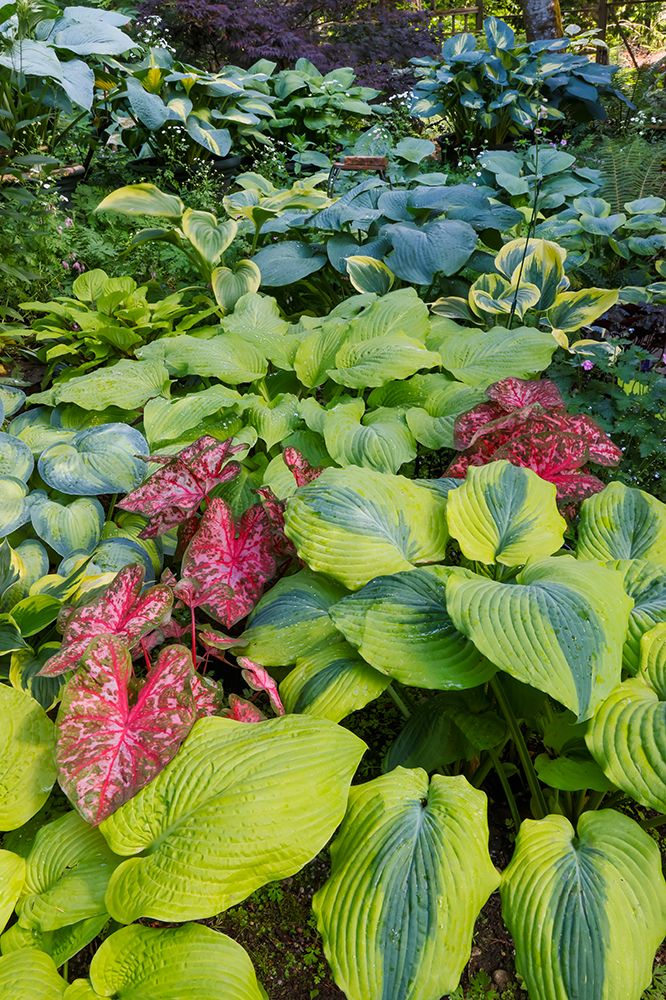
(65, 264)
(563, 142)
(587, 366)
(69, 222)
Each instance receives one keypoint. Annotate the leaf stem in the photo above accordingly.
(650, 824)
(398, 701)
(504, 781)
(540, 807)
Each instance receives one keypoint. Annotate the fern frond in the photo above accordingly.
(631, 170)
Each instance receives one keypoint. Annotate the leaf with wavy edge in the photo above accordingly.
(27, 767)
(410, 873)
(622, 523)
(61, 944)
(645, 582)
(30, 974)
(559, 628)
(586, 908)
(219, 820)
(12, 880)
(331, 682)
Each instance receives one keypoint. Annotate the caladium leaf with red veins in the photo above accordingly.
(573, 487)
(208, 695)
(600, 447)
(172, 630)
(514, 393)
(122, 610)
(466, 425)
(243, 711)
(259, 679)
(107, 747)
(186, 532)
(285, 551)
(237, 556)
(175, 492)
(214, 640)
(199, 593)
(299, 467)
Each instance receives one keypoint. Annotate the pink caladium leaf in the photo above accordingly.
(239, 557)
(600, 447)
(243, 711)
(259, 679)
(466, 425)
(214, 640)
(299, 467)
(109, 747)
(514, 393)
(172, 630)
(175, 492)
(208, 695)
(122, 610)
(196, 593)
(285, 551)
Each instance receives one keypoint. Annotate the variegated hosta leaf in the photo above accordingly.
(627, 736)
(67, 528)
(354, 524)
(331, 682)
(61, 944)
(645, 582)
(410, 872)
(12, 879)
(209, 237)
(110, 745)
(622, 523)
(67, 872)
(401, 626)
(27, 765)
(586, 908)
(231, 798)
(291, 619)
(559, 628)
(97, 460)
(30, 974)
(505, 514)
(380, 440)
(180, 963)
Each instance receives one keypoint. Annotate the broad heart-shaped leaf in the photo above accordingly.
(180, 963)
(68, 528)
(61, 944)
(209, 237)
(479, 357)
(291, 619)
(97, 460)
(572, 310)
(369, 275)
(505, 514)
(15, 457)
(331, 682)
(122, 610)
(354, 524)
(373, 362)
(27, 766)
(127, 384)
(560, 628)
(142, 199)
(586, 908)
(410, 873)
(67, 872)
(165, 421)
(16, 502)
(231, 283)
(622, 523)
(286, 262)
(230, 563)
(225, 356)
(380, 440)
(28, 974)
(400, 624)
(12, 880)
(645, 582)
(234, 795)
(627, 736)
(419, 252)
(108, 745)
(176, 490)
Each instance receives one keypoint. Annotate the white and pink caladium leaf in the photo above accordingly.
(122, 610)
(110, 745)
(243, 711)
(259, 679)
(175, 492)
(224, 555)
(299, 467)
(285, 551)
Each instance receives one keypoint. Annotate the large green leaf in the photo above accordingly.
(505, 514)
(330, 682)
(419, 252)
(622, 523)
(69, 528)
(379, 440)
(560, 628)
(142, 199)
(169, 420)
(209, 237)
(95, 461)
(127, 384)
(401, 626)
(219, 820)
(645, 582)
(479, 357)
(231, 284)
(627, 736)
(61, 944)
(586, 908)
(226, 357)
(30, 975)
(410, 873)
(354, 524)
(12, 879)
(363, 363)
(27, 763)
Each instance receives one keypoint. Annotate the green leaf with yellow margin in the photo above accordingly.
(622, 523)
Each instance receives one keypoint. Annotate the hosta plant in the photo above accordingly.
(540, 176)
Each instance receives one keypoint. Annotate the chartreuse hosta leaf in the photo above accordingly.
(232, 798)
(27, 763)
(622, 523)
(380, 439)
(354, 524)
(559, 628)
(180, 963)
(586, 908)
(627, 736)
(505, 514)
(61, 944)
(410, 872)
(12, 880)
(479, 357)
(400, 624)
(645, 582)
(28, 975)
(127, 384)
(330, 682)
(291, 619)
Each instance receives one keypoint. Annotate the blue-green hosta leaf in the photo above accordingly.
(34, 427)
(179, 963)
(60, 944)
(410, 873)
(479, 357)
(291, 619)
(217, 141)
(645, 582)
(68, 528)
(27, 763)
(67, 872)
(226, 357)
(112, 554)
(96, 461)
(627, 736)
(354, 524)
(419, 252)
(15, 457)
(209, 237)
(379, 440)
(622, 523)
(15, 504)
(586, 908)
(28, 974)
(369, 275)
(505, 514)
(167, 420)
(266, 780)
(11, 400)
(12, 880)
(401, 626)
(560, 628)
(331, 682)
(286, 262)
(127, 384)
(231, 283)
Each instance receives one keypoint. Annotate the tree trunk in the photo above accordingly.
(543, 19)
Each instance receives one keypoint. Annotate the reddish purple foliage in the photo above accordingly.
(243, 711)
(122, 610)
(259, 679)
(300, 468)
(175, 492)
(283, 546)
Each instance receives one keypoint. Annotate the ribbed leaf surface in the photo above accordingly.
(330, 682)
(645, 582)
(27, 764)
(622, 523)
(12, 878)
(28, 975)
